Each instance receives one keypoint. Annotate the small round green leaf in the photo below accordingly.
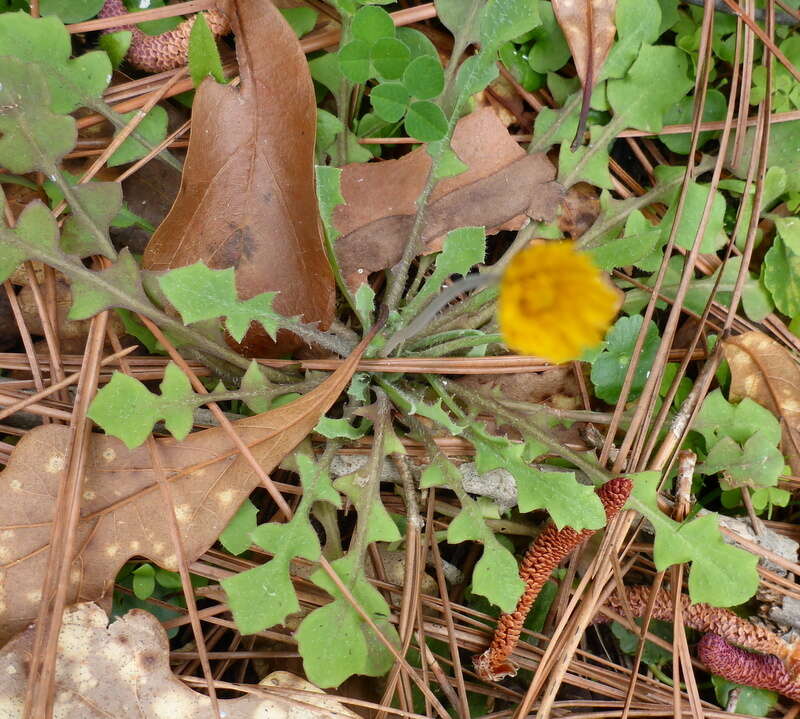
(372, 23)
(417, 42)
(144, 581)
(426, 121)
(390, 57)
(389, 100)
(354, 61)
(71, 10)
(424, 78)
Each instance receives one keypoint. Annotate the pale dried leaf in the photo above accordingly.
(588, 26)
(123, 514)
(380, 198)
(247, 197)
(764, 371)
(122, 670)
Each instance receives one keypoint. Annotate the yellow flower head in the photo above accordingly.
(554, 303)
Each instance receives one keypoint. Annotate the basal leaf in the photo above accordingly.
(36, 229)
(94, 207)
(32, 137)
(569, 503)
(200, 293)
(468, 525)
(263, 596)
(90, 298)
(720, 574)
(44, 43)
(463, 249)
(126, 409)
(356, 649)
(236, 536)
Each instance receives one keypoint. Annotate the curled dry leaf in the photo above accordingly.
(764, 371)
(588, 26)
(501, 188)
(247, 196)
(122, 513)
(122, 670)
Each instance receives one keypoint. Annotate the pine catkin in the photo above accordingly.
(542, 557)
(705, 618)
(743, 667)
(157, 53)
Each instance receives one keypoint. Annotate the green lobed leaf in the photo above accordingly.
(756, 463)
(640, 240)
(236, 536)
(126, 409)
(90, 298)
(36, 230)
(568, 502)
(200, 293)
(719, 418)
(503, 587)
(204, 59)
(45, 43)
(264, 596)
(32, 137)
(720, 574)
(638, 23)
(588, 163)
(463, 248)
(333, 428)
(694, 204)
(94, 206)
(681, 114)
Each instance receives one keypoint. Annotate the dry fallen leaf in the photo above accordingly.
(764, 371)
(588, 26)
(122, 670)
(247, 196)
(579, 208)
(122, 512)
(499, 191)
